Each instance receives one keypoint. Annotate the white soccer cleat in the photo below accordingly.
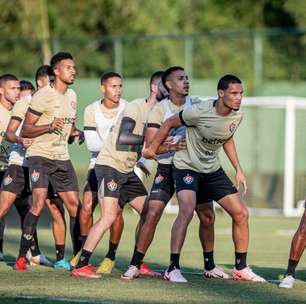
(216, 273)
(174, 276)
(246, 274)
(38, 260)
(287, 281)
(132, 273)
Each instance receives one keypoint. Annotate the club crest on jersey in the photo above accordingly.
(112, 185)
(7, 180)
(158, 179)
(188, 179)
(35, 176)
(232, 127)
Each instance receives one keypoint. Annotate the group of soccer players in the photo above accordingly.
(183, 134)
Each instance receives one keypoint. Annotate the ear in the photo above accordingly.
(154, 88)
(221, 93)
(168, 84)
(102, 88)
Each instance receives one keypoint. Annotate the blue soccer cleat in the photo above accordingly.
(62, 264)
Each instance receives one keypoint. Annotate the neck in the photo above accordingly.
(60, 86)
(177, 99)
(151, 100)
(7, 104)
(221, 108)
(109, 103)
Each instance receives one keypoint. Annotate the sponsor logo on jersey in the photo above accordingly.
(35, 176)
(7, 180)
(232, 127)
(213, 141)
(158, 179)
(112, 185)
(188, 179)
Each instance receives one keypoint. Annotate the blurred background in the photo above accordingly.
(261, 41)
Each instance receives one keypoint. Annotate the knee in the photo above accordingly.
(208, 219)
(185, 215)
(153, 216)
(87, 207)
(242, 216)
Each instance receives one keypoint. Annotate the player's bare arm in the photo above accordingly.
(31, 130)
(231, 152)
(172, 122)
(11, 134)
(76, 133)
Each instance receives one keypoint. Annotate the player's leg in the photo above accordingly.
(296, 250)
(206, 214)
(108, 263)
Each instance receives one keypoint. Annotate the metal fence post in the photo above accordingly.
(258, 48)
(189, 56)
(118, 55)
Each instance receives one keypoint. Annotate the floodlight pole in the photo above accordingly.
(289, 158)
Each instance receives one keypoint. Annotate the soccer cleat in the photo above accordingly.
(85, 271)
(287, 281)
(40, 260)
(62, 264)
(174, 276)
(21, 264)
(132, 273)
(106, 267)
(75, 260)
(246, 274)
(1, 257)
(216, 273)
(146, 271)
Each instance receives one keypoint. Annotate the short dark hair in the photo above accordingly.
(225, 81)
(26, 85)
(168, 72)
(7, 77)
(155, 75)
(109, 75)
(58, 57)
(43, 71)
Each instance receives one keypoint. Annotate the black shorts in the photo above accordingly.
(208, 186)
(91, 184)
(163, 185)
(60, 173)
(16, 180)
(124, 186)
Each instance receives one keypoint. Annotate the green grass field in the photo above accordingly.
(270, 241)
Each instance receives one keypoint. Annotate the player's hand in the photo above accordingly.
(26, 142)
(241, 179)
(143, 168)
(179, 145)
(148, 153)
(57, 125)
(78, 135)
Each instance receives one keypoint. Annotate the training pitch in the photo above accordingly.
(268, 254)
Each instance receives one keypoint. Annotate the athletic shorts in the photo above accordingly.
(60, 173)
(91, 184)
(163, 185)
(208, 186)
(124, 186)
(16, 180)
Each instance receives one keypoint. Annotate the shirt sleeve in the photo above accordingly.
(89, 118)
(38, 104)
(190, 116)
(156, 116)
(19, 110)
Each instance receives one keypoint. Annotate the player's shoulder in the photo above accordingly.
(71, 93)
(44, 91)
(201, 103)
(91, 107)
(136, 104)
(22, 103)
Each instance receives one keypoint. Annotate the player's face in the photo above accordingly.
(232, 96)
(178, 83)
(66, 71)
(10, 91)
(112, 89)
(26, 94)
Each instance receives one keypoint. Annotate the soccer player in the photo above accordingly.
(26, 89)
(99, 117)
(297, 248)
(163, 187)
(114, 168)
(50, 121)
(198, 174)
(9, 94)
